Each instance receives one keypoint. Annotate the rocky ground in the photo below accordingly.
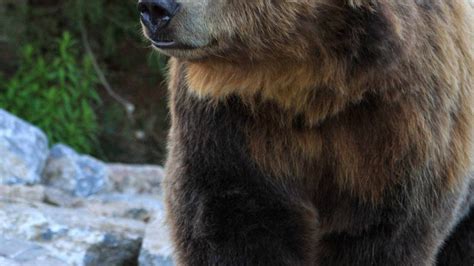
(58, 207)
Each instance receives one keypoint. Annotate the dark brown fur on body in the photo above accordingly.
(351, 146)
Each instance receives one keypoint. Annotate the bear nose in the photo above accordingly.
(156, 14)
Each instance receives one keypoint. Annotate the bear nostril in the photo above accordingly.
(157, 13)
(154, 11)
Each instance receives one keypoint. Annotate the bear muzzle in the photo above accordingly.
(156, 16)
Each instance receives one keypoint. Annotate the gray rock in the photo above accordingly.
(37, 194)
(113, 251)
(57, 197)
(23, 149)
(138, 207)
(74, 236)
(19, 252)
(11, 248)
(80, 175)
(156, 248)
(135, 179)
(8, 262)
(147, 259)
(22, 193)
(44, 261)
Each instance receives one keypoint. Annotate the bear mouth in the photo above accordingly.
(163, 44)
(162, 41)
(166, 44)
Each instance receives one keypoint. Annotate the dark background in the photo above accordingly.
(76, 67)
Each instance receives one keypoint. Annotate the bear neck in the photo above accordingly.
(302, 89)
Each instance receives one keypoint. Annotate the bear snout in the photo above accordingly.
(156, 16)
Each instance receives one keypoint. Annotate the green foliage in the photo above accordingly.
(55, 93)
(107, 23)
(112, 31)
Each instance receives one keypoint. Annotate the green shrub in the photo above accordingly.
(56, 92)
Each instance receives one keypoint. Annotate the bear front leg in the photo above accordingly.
(391, 236)
(241, 223)
(458, 250)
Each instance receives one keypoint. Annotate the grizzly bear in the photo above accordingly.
(318, 132)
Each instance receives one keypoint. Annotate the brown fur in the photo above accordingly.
(322, 132)
(418, 95)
